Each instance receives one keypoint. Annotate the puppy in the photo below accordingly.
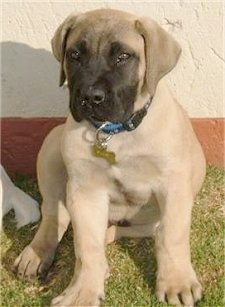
(126, 156)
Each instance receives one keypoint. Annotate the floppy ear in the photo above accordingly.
(161, 52)
(59, 42)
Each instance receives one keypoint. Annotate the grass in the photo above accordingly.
(132, 262)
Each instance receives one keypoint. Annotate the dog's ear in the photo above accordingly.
(161, 52)
(59, 42)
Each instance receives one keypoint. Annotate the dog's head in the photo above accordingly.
(109, 58)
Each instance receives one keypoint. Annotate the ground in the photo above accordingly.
(132, 262)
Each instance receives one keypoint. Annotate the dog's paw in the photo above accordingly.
(79, 295)
(179, 288)
(31, 264)
(111, 234)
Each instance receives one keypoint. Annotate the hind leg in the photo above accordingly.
(143, 224)
(134, 231)
(36, 258)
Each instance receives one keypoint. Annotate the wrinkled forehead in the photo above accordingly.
(99, 34)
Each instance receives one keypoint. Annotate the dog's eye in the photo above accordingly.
(74, 55)
(122, 58)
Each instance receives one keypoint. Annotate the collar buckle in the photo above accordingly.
(134, 121)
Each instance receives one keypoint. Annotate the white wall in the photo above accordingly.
(30, 72)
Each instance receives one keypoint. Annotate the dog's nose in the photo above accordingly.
(96, 95)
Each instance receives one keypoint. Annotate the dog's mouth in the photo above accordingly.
(104, 118)
(97, 118)
(106, 115)
(98, 114)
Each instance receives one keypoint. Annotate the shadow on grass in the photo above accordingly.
(141, 251)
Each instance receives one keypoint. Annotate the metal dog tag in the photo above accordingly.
(101, 152)
(99, 149)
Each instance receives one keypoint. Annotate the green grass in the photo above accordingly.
(132, 262)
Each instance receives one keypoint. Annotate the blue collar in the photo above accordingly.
(130, 124)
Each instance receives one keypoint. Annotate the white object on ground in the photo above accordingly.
(25, 207)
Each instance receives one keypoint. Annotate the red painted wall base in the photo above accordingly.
(21, 139)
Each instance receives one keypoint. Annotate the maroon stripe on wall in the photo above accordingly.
(210, 132)
(21, 139)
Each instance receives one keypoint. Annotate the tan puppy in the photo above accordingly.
(143, 171)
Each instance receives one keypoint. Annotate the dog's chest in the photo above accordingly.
(122, 205)
(125, 200)
(130, 189)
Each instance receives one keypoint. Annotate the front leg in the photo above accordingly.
(176, 279)
(87, 203)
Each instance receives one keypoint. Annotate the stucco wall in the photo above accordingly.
(30, 72)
